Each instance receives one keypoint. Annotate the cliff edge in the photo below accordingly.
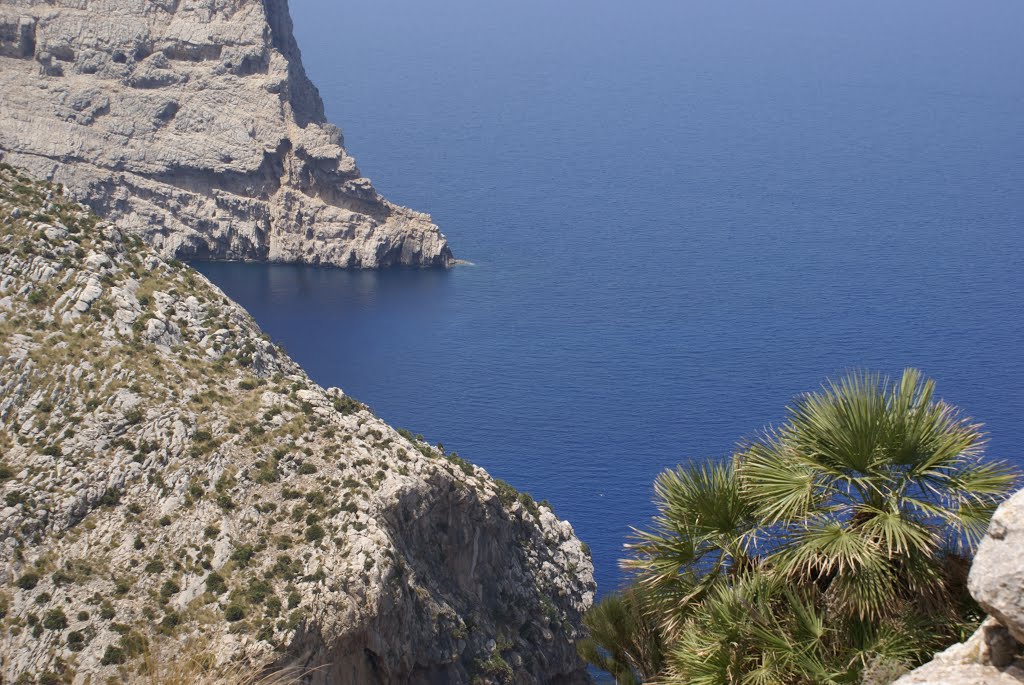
(193, 124)
(171, 483)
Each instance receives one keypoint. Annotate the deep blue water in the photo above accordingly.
(681, 214)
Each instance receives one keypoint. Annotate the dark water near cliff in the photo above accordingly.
(682, 214)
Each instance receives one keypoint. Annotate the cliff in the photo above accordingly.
(994, 654)
(172, 481)
(193, 124)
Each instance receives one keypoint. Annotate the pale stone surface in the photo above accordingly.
(157, 441)
(987, 658)
(993, 655)
(997, 575)
(193, 123)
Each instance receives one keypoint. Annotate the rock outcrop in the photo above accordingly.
(171, 481)
(193, 124)
(994, 654)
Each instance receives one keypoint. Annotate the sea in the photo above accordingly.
(680, 214)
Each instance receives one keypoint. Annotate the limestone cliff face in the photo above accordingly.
(171, 481)
(193, 123)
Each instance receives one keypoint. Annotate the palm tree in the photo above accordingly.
(756, 630)
(830, 549)
(623, 638)
(705, 529)
(875, 490)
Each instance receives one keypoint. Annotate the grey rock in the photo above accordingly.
(973, 662)
(193, 124)
(994, 653)
(997, 575)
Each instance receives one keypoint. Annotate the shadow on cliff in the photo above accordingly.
(465, 601)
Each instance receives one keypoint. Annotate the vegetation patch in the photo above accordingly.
(827, 550)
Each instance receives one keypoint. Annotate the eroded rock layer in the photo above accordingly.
(171, 484)
(192, 123)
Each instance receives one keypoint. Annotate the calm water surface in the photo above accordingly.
(681, 215)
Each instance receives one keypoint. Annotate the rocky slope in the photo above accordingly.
(192, 123)
(994, 655)
(170, 480)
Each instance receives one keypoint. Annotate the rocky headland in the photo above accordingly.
(171, 482)
(193, 124)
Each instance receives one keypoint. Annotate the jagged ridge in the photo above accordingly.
(170, 477)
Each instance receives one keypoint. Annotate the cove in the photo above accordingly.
(681, 216)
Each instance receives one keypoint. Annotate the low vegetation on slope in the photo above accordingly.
(170, 477)
(834, 549)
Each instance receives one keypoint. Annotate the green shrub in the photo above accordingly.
(55, 620)
(267, 471)
(113, 656)
(61, 578)
(506, 493)
(216, 584)
(316, 498)
(258, 591)
(37, 297)
(243, 554)
(76, 641)
(134, 644)
(155, 566)
(52, 451)
(110, 498)
(494, 667)
(169, 622)
(346, 406)
(315, 532)
(28, 580)
(272, 607)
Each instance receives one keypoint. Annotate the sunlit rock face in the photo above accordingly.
(193, 124)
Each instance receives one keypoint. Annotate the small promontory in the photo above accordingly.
(193, 124)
